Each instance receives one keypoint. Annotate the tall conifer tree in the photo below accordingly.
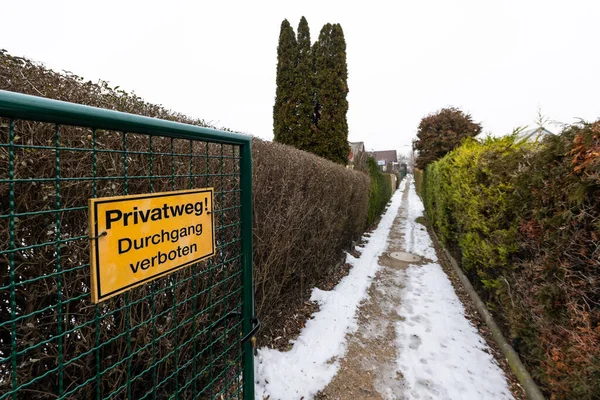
(304, 88)
(284, 110)
(341, 148)
(331, 89)
(310, 105)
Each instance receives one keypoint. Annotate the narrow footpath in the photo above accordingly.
(391, 329)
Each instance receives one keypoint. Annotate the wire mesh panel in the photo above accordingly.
(177, 337)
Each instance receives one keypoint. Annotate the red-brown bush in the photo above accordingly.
(556, 285)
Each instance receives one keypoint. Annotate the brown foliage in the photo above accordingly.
(21, 75)
(556, 287)
(586, 153)
(86, 326)
(441, 132)
(306, 210)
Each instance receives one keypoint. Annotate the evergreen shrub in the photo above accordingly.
(418, 176)
(524, 219)
(379, 193)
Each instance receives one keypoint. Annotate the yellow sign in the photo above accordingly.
(138, 238)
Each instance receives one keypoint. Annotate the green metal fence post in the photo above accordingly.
(140, 344)
(248, 289)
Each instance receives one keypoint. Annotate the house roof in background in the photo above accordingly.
(385, 155)
(534, 134)
(355, 148)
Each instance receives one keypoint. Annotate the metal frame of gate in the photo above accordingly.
(64, 363)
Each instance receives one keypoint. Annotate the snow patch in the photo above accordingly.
(440, 353)
(313, 360)
(417, 240)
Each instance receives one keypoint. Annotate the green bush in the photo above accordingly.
(418, 176)
(524, 219)
(379, 193)
(393, 180)
(468, 197)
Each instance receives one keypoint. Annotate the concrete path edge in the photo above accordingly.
(532, 390)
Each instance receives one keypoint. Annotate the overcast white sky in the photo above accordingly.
(498, 60)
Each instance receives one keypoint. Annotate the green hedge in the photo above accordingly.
(418, 176)
(393, 180)
(524, 218)
(467, 195)
(380, 192)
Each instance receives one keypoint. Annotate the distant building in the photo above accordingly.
(385, 158)
(356, 149)
(533, 135)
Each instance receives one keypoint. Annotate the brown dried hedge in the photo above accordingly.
(307, 210)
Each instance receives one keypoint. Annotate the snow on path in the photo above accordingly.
(313, 360)
(440, 354)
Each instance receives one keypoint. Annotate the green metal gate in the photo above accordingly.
(181, 336)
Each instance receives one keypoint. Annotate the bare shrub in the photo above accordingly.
(306, 210)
